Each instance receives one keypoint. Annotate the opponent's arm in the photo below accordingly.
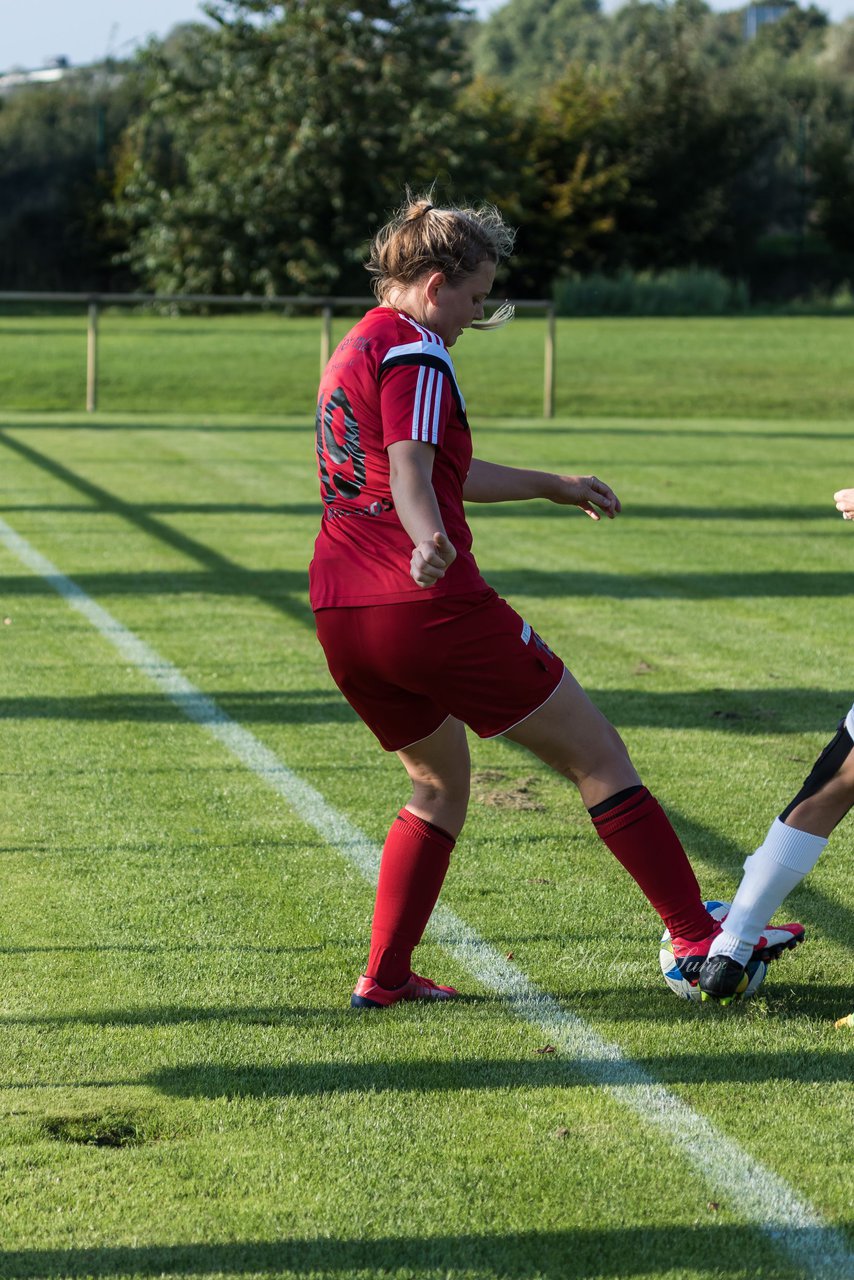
(490, 482)
(844, 499)
(410, 479)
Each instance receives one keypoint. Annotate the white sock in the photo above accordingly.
(770, 874)
(731, 945)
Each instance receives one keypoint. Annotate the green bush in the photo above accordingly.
(822, 302)
(689, 292)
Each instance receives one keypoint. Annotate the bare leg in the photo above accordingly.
(821, 813)
(439, 769)
(570, 734)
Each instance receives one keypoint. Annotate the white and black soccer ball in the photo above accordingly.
(754, 974)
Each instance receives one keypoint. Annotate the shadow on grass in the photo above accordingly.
(715, 1251)
(178, 508)
(683, 428)
(200, 423)
(281, 587)
(224, 579)
(538, 1071)
(174, 1015)
(742, 711)
(573, 584)
(175, 423)
(544, 510)
(476, 511)
(650, 1001)
(218, 567)
(654, 1003)
(308, 706)
(157, 948)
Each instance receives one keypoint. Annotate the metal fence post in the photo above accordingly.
(325, 339)
(549, 365)
(92, 359)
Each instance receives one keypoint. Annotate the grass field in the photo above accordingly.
(187, 894)
(785, 367)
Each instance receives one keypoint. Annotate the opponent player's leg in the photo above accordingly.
(819, 812)
(789, 851)
(572, 735)
(414, 862)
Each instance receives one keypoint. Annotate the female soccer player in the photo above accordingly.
(415, 639)
(789, 851)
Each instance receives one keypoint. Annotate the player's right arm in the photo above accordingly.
(410, 480)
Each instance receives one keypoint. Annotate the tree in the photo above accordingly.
(57, 151)
(709, 141)
(692, 135)
(832, 152)
(528, 44)
(547, 164)
(796, 30)
(280, 138)
(833, 161)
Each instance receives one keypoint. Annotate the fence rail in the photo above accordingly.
(326, 305)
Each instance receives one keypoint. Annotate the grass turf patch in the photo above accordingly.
(180, 947)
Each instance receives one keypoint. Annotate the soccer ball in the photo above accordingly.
(754, 974)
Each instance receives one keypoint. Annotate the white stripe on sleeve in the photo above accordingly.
(428, 404)
(437, 409)
(416, 409)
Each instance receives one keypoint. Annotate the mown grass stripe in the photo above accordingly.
(760, 1196)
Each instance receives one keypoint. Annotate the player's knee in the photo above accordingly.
(613, 755)
(452, 789)
(602, 756)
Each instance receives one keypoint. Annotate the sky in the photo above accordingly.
(33, 33)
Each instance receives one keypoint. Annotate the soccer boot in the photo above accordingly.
(691, 956)
(719, 975)
(370, 995)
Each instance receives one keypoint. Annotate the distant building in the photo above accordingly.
(56, 69)
(756, 16)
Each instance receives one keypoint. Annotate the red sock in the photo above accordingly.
(639, 834)
(415, 859)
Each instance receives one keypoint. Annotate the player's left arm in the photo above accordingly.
(491, 482)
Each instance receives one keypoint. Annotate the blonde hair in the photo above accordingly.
(421, 238)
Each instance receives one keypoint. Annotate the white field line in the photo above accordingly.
(758, 1196)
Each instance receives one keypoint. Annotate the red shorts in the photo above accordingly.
(404, 668)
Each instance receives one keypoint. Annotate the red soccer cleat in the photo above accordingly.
(370, 995)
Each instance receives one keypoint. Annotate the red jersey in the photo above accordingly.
(390, 379)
